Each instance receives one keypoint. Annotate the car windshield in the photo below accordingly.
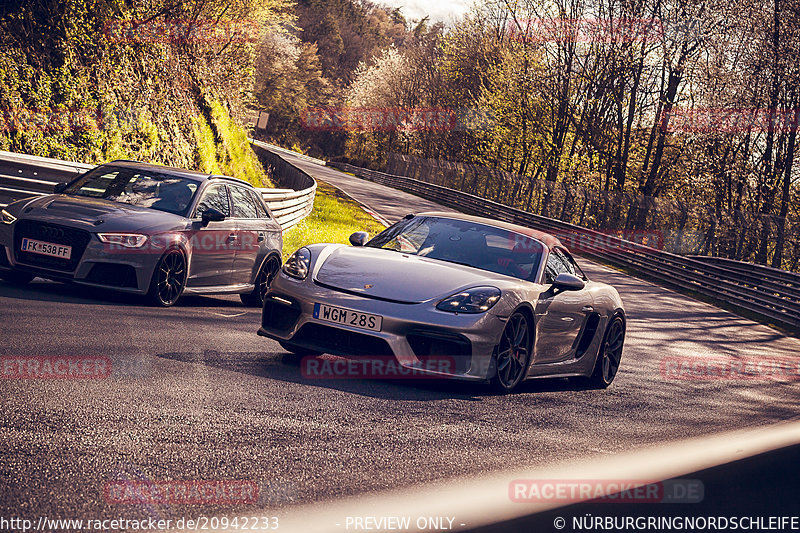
(466, 243)
(163, 192)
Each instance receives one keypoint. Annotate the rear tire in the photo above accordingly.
(15, 277)
(512, 354)
(266, 274)
(610, 356)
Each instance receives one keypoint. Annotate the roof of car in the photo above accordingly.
(549, 240)
(182, 172)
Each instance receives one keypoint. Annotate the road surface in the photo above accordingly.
(195, 394)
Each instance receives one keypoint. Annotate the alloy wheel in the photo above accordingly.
(170, 278)
(513, 352)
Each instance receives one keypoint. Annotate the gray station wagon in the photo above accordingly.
(145, 229)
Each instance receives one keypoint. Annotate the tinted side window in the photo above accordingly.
(556, 264)
(258, 202)
(215, 197)
(243, 206)
(567, 262)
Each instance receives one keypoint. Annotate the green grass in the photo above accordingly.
(235, 156)
(334, 218)
(222, 147)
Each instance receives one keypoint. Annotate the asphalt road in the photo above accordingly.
(194, 394)
(390, 203)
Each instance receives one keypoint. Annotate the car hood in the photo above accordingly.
(96, 214)
(395, 276)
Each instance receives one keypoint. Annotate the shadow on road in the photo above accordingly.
(73, 293)
(276, 366)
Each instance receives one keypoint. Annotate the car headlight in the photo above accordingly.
(297, 264)
(474, 300)
(127, 240)
(7, 217)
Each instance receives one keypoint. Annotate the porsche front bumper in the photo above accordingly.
(414, 334)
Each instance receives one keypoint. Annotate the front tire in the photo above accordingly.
(513, 353)
(266, 274)
(15, 277)
(607, 365)
(169, 279)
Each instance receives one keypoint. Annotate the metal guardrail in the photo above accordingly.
(768, 295)
(758, 271)
(293, 204)
(24, 176)
(281, 150)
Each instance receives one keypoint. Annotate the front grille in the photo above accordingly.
(440, 348)
(339, 341)
(113, 275)
(42, 231)
(279, 316)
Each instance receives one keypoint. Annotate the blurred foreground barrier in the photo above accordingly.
(748, 477)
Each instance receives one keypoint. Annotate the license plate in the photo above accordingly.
(347, 317)
(46, 248)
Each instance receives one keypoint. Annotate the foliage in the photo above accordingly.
(334, 219)
(139, 94)
(589, 129)
(683, 124)
(310, 65)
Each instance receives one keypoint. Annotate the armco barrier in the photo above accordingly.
(293, 204)
(281, 150)
(24, 176)
(757, 271)
(768, 295)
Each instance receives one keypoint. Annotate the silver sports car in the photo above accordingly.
(485, 300)
(145, 229)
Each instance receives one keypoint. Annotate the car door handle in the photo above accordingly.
(232, 237)
(587, 309)
(261, 236)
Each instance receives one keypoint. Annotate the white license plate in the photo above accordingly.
(347, 317)
(46, 248)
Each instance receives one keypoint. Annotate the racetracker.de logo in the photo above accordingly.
(190, 492)
(730, 120)
(730, 369)
(54, 367)
(375, 367)
(606, 490)
(611, 240)
(181, 31)
(50, 119)
(197, 241)
(586, 30)
(385, 119)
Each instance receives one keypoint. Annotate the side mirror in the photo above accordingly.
(60, 187)
(568, 282)
(212, 215)
(359, 238)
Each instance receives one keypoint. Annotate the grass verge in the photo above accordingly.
(334, 218)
